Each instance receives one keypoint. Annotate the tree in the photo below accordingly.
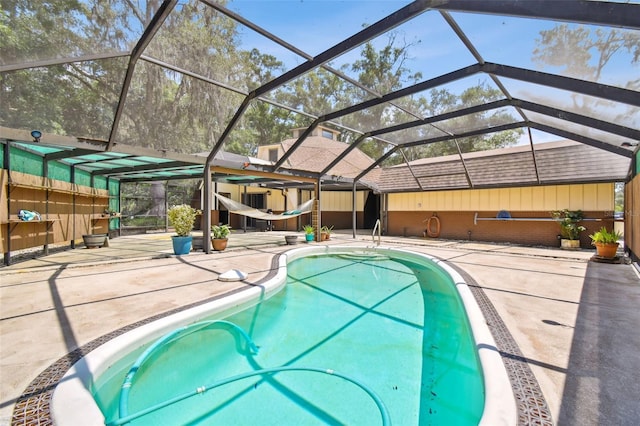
(386, 71)
(164, 109)
(262, 123)
(585, 53)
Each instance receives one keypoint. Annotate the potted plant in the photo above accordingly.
(95, 240)
(325, 232)
(219, 236)
(308, 232)
(291, 239)
(182, 218)
(569, 227)
(606, 242)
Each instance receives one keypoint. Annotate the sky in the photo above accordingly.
(316, 25)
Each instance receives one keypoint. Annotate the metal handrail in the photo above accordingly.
(379, 228)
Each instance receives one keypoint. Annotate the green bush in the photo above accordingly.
(220, 231)
(605, 237)
(182, 218)
(569, 219)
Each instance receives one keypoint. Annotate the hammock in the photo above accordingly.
(239, 208)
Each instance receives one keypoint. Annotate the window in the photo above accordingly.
(273, 155)
(327, 134)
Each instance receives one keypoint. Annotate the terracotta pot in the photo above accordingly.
(219, 244)
(324, 236)
(606, 250)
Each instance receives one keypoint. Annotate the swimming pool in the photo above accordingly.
(394, 309)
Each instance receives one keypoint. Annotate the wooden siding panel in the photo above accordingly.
(483, 201)
(515, 199)
(440, 200)
(588, 197)
(494, 199)
(449, 200)
(576, 197)
(606, 197)
(456, 200)
(563, 198)
(537, 197)
(526, 198)
(504, 199)
(342, 201)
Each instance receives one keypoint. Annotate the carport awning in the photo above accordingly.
(124, 163)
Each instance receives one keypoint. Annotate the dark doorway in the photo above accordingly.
(257, 202)
(223, 213)
(371, 210)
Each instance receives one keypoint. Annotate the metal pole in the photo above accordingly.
(206, 210)
(353, 209)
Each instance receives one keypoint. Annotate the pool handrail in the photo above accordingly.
(379, 228)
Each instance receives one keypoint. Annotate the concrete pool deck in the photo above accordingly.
(576, 322)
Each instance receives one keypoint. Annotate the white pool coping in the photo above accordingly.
(73, 404)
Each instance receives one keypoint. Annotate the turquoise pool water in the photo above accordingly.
(394, 326)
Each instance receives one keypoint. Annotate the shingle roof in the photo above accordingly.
(557, 162)
(317, 152)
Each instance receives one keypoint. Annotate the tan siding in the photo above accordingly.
(539, 198)
(440, 199)
(576, 197)
(563, 197)
(526, 199)
(606, 197)
(504, 197)
(457, 201)
(494, 199)
(591, 195)
(341, 201)
(516, 198)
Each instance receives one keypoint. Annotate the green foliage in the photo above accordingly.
(308, 229)
(163, 109)
(220, 231)
(603, 236)
(585, 52)
(569, 223)
(574, 49)
(326, 229)
(151, 222)
(182, 217)
(619, 197)
(387, 70)
(143, 199)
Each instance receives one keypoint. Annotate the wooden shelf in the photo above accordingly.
(41, 193)
(106, 216)
(32, 221)
(84, 194)
(58, 190)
